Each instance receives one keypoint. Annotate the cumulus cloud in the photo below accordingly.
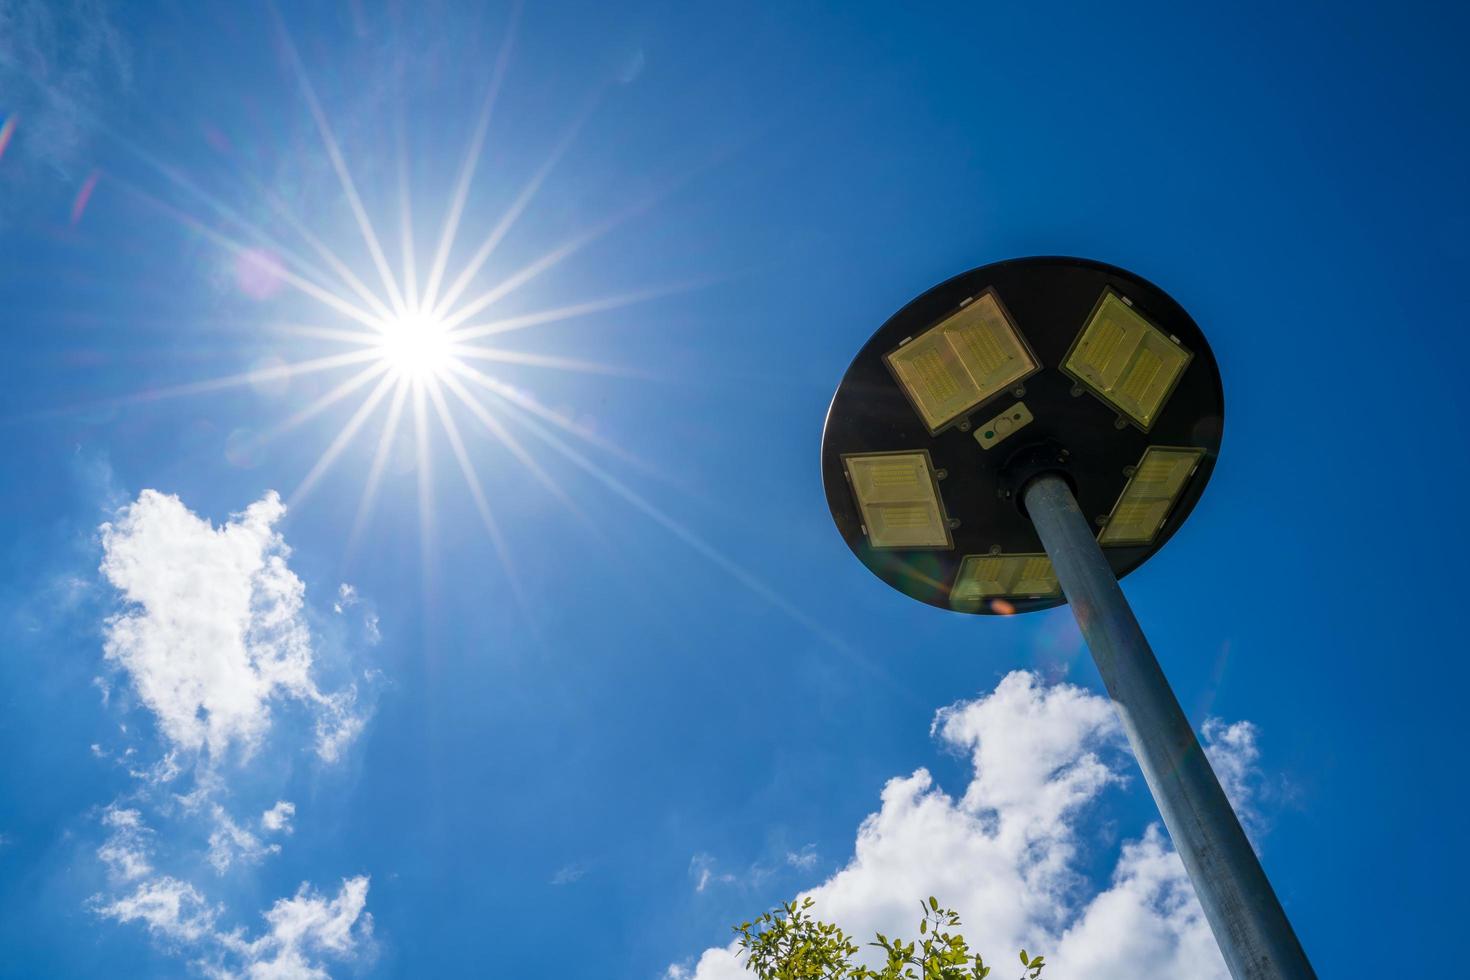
(213, 638)
(1147, 923)
(214, 633)
(1006, 853)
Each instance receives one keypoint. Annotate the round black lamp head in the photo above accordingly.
(998, 375)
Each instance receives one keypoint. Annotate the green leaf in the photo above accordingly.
(934, 903)
(1025, 960)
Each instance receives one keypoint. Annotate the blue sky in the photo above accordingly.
(670, 697)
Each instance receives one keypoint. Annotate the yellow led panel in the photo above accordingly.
(899, 499)
(1130, 363)
(962, 361)
(984, 577)
(1150, 494)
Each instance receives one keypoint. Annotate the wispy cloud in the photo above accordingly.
(299, 932)
(1234, 754)
(1008, 853)
(567, 874)
(804, 859)
(61, 64)
(127, 847)
(702, 871)
(230, 843)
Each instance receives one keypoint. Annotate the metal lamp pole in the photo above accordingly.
(1247, 919)
(1090, 398)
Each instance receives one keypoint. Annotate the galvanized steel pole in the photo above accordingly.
(1244, 913)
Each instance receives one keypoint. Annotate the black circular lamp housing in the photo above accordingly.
(1096, 367)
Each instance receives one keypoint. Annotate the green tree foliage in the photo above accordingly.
(788, 943)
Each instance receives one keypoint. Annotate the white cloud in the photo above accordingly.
(338, 723)
(301, 930)
(804, 859)
(567, 874)
(304, 927)
(229, 843)
(1147, 923)
(1234, 752)
(214, 632)
(213, 638)
(702, 870)
(172, 909)
(1006, 853)
(346, 598)
(126, 850)
(277, 819)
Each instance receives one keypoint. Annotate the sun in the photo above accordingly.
(417, 346)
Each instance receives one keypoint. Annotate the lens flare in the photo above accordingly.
(7, 130)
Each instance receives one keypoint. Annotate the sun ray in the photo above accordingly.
(563, 423)
(425, 485)
(559, 313)
(405, 219)
(380, 460)
(319, 332)
(230, 215)
(516, 449)
(329, 456)
(561, 252)
(343, 271)
(316, 291)
(278, 372)
(546, 361)
(518, 279)
(472, 480)
(512, 213)
(320, 404)
(716, 557)
(471, 161)
(339, 164)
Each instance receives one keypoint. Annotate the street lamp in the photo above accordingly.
(1024, 435)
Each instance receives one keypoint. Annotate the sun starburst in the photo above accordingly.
(409, 347)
